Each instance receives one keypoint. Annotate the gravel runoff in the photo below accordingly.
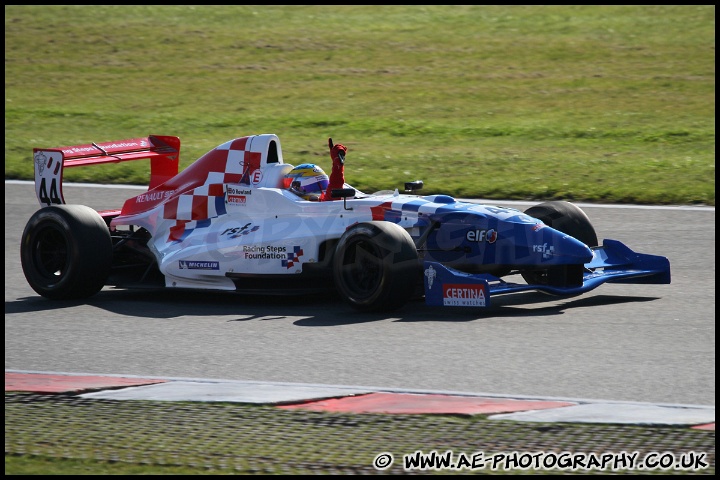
(237, 438)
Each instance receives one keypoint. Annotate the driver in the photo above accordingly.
(310, 182)
(307, 181)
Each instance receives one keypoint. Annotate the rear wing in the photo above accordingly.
(162, 151)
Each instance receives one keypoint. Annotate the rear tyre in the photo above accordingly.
(66, 252)
(376, 266)
(567, 218)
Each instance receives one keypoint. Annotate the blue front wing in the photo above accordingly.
(614, 262)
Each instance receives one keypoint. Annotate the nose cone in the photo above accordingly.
(559, 248)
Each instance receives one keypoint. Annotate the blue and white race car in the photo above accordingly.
(236, 220)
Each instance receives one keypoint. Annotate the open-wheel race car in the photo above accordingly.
(238, 219)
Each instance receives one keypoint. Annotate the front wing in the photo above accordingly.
(613, 262)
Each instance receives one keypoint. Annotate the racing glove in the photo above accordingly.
(337, 176)
(337, 152)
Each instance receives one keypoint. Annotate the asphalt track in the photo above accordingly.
(684, 358)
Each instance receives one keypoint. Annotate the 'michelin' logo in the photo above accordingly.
(197, 265)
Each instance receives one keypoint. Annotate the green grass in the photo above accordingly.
(38, 465)
(584, 103)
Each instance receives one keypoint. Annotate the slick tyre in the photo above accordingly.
(66, 252)
(376, 266)
(567, 218)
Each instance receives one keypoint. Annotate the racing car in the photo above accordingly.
(229, 222)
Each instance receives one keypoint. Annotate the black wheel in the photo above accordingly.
(376, 266)
(66, 252)
(567, 218)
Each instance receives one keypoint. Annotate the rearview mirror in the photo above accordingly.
(416, 185)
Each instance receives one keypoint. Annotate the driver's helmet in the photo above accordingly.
(307, 181)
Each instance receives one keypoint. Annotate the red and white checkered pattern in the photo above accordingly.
(228, 163)
(189, 191)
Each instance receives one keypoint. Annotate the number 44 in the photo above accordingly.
(54, 197)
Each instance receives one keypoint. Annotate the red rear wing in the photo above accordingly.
(162, 151)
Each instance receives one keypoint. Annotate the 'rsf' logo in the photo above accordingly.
(546, 251)
(235, 232)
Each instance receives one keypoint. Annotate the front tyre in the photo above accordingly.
(569, 219)
(376, 266)
(66, 252)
